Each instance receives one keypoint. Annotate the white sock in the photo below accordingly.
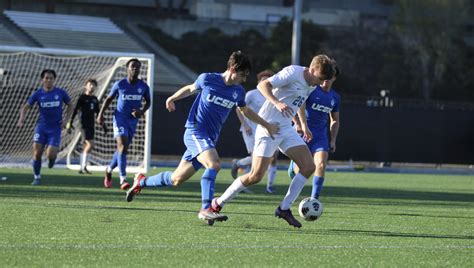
(247, 161)
(122, 179)
(108, 169)
(231, 192)
(83, 160)
(272, 170)
(37, 177)
(294, 191)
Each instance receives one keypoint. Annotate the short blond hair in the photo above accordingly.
(323, 64)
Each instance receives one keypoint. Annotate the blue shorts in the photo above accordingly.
(47, 135)
(320, 142)
(124, 127)
(196, 143)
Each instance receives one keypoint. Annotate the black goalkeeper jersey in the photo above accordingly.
(89, 106)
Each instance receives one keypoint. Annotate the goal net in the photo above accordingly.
(20, 69)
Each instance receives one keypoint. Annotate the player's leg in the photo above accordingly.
(263, 151)
(37, 153)
(185, 170)
(320, 160)
(245, 162)
(210, 160)
(271, 173)
(88, 145)
(122, 149)
(54, 141)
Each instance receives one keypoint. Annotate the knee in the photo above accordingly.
(216, 165)
(307, 170)
(320, 166)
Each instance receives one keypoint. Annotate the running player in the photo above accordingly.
(218, 94)
(285, 93)
(89, 106)
(130, 92)
(254, 100)
(322, 108)
(47, 135)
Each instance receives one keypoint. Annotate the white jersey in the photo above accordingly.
(290, 87)
(254, 100)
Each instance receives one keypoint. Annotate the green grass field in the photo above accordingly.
(369, 220)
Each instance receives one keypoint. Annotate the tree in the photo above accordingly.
(429, 32)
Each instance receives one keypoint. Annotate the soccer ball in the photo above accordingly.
(310, 209)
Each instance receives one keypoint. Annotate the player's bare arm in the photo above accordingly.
(307, 134)
(107, 102)
(23, 111)
(265, 87)
(182, 93)
(271, 128)
(244, 124)
(334, 129)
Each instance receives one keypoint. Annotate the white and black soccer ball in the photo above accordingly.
(310, 209)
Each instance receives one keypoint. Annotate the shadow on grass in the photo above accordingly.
(91, 187)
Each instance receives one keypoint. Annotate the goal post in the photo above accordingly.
(20, 69)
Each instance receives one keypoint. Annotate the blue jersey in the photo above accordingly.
(213, 104)
(319, 105)
(50, 105)
(130, 97)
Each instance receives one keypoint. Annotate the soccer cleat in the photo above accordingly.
(51, 163)
(86, 171)
(36, 182)
(125, 185)
(270, 190)
(81, 172)
(209, 215)
(287, 216)
(108, 179)
(235, 169)
(136, 188)
(291, 171)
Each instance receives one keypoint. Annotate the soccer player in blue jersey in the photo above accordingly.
(218, 93)
(130, 92)
(47, 135)
(322, 108)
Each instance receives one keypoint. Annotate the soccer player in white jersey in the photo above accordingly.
(322, 108)
(218, 93)
(285, 92)
(254, 100)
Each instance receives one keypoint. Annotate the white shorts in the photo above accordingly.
(266, 146)
(249, 141)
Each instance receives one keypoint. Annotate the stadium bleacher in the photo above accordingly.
(88, 33)
(7, 38)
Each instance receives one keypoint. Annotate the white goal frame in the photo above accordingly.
(102, 92)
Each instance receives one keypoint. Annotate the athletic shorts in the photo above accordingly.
(47, 135)
(88, 133)
(196, 143)
(320, 142)
(265, 146)
(124, 127)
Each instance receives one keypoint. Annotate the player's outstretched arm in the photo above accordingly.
(182, 93)
(271, 128)
(23, 111)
